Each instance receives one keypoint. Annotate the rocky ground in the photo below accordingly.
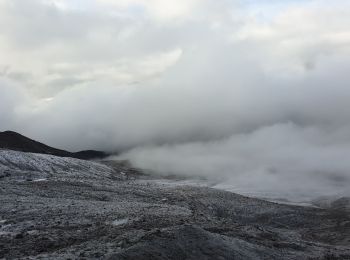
(63, 208)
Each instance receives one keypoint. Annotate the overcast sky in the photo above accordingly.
(226, 87)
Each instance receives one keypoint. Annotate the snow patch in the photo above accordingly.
(39, 180)
(119, 222)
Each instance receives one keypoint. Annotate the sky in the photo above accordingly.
(251, 93)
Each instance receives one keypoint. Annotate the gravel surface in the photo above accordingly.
(63, 208)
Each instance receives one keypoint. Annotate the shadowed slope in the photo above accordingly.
(15, 141)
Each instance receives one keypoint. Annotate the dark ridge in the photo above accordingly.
(90, 154)
(17, 142)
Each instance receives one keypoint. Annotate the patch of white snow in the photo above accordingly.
(119, 222)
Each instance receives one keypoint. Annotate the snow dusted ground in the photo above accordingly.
(319, 199)
(64, 208)
(40, 167)
(20, 166)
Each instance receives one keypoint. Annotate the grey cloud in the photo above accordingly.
(188, 98)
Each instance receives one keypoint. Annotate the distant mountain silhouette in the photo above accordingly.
(15, 141)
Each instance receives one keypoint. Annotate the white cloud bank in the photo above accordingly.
(253, 94)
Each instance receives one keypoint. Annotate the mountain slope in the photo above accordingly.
(17, 165)
(15, 141)
(64, 208)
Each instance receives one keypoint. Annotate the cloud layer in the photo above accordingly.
(253, 93)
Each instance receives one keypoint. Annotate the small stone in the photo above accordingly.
(19, 236)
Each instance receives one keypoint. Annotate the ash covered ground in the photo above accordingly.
(65, 208)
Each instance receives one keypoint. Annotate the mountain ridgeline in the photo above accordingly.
(17, 142)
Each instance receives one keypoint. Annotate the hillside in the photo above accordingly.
(17, 142)
(65, 208)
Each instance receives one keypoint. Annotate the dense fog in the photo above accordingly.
(252, 94)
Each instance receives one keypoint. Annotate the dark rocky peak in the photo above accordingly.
(14, 141)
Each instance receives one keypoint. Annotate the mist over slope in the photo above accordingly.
(255, 95)
(280, 161)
